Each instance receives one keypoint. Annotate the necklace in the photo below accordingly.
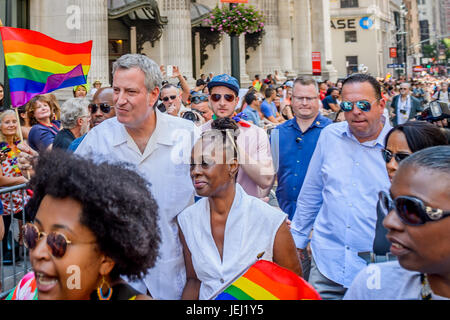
(426, 289)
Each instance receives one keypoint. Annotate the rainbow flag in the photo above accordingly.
(38, 64)
(266, 280)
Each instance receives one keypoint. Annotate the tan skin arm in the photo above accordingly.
(334, 107)
(191, 290)
(284, 251)
(254, 170)
(2, 229)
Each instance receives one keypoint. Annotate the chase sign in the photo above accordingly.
(351, 23)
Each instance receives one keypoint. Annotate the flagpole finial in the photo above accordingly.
(259, 256)
(1, 23)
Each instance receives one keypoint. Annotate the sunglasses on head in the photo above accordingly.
(56, 241)
(104, 107)
(199, 99)
(388, 155)
(363, 105)
(411, 210)
(216, 97)
(165, 99)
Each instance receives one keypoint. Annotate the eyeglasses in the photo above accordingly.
(301, 99)
(363, 105)
(388, 155)
(216, 97)
(411, 210)
(104, 107)
(165, 99)
(55, 240)
(199, 99)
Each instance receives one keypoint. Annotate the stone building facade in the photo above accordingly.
(172, 33)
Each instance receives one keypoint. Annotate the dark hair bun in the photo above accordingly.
(224, 124)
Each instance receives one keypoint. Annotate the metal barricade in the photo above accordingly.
(10, 275)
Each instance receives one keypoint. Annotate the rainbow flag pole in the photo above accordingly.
(226, 285)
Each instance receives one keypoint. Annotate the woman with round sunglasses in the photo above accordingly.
(93, 223)
(402, 141)
(227, 229)
(418, 210)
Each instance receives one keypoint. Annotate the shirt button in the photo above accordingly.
(298, 161)
(350, 205)
(294, 188)
(222, 281)
(347, 247)
(357, 163)
(295, 175)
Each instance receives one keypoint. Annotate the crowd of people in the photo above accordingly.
(188, 174)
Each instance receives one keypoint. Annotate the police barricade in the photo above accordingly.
(15, 265)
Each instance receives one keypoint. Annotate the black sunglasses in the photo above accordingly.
(165, 99)
(363, 105)
(388, 155)
(104, 107)
(216, 97)
(199, 99)
(411, 210)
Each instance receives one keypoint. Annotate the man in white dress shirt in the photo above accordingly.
(159, 146)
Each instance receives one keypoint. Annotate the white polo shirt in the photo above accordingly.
(165, 164)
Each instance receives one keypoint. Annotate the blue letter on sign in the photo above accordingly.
(366, 23)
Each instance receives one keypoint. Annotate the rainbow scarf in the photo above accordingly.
(38, 64)
(266, 280)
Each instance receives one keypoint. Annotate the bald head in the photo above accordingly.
(102, 102)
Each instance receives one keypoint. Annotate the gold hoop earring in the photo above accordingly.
(100, 290)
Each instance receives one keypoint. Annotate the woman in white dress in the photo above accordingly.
(223, 233)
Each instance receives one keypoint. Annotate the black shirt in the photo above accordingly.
(63, 139)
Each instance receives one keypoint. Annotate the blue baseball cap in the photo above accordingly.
(224, 80)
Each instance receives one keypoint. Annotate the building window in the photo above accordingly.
(352, 64)
(349, 4)
(350, 36)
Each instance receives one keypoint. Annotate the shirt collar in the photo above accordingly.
(161, 135)
(319, 122)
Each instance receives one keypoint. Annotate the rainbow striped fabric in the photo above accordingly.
(266, 280)
(38, 64)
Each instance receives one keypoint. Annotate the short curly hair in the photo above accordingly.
(117, 207)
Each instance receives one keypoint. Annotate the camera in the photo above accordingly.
(436, 111)
(194, 116)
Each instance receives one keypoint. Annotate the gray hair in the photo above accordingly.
(153, 76)
(72, 110)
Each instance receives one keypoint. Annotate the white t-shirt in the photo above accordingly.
(165, 164)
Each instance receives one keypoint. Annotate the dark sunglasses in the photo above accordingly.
(388, 155)
(411, 210)
(216, 97)
(104, 107)
(165, 99)
(199, 99)
(56, 241)
(363, 105)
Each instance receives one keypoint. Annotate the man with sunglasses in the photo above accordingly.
(405, 105)
(256, 174)
(339, 193)
(101, 109)
(171, 100)
(418, 210)
(200, 103)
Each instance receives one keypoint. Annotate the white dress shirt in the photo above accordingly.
(165, 164)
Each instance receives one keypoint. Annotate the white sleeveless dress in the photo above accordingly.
(250, 229)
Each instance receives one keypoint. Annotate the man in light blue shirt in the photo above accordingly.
(340, 190)
(251, 111)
